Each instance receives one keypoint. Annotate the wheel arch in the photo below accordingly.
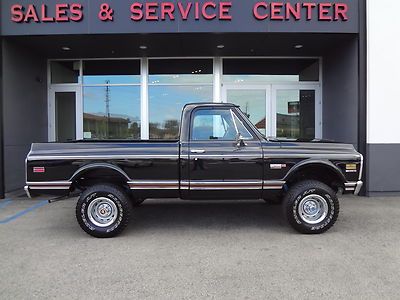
(99, 171)
(316, 169)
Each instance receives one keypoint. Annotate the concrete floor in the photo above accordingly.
(193, 250)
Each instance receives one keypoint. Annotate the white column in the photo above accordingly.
(217, 79)
(144, 99)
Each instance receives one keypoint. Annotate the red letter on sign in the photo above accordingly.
(167, 8)
(45, 18)
(324, 11)
(76, 11)
(291, 11)
(276, 8)
(136, 10)
(31, 14)
(256, 14)
(16, 13)
(184, 12)
(309, 7)
(61, 12)
(341, 10)
(204, 10)
(224, 11)
(151, 11)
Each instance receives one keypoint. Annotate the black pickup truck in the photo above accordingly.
(220, 155)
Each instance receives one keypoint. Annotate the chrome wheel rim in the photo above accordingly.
(102, 212)
(313, 209)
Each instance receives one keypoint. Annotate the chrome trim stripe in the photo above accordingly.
(48, 183)
(205, 188)
(49, 187)
(227, 183)
(233, 185)
(204, 156)
(154, 184)
(101, 157)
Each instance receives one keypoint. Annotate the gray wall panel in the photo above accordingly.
(24, 109)
(383, 168)
(340, 93)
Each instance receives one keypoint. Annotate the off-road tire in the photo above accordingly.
(296, 216)
(112, 194)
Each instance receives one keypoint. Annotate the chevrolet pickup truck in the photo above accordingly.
(219, 155)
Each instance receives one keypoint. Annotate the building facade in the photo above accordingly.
(124, 69)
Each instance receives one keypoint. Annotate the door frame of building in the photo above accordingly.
(271, 91)
(53, 89)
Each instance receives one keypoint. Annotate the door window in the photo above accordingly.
(221, 124)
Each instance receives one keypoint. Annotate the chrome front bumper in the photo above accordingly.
(354, 187)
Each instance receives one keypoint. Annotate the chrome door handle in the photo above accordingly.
(197, 151)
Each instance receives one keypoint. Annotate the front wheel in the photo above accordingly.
(311, 207)
(103, 210)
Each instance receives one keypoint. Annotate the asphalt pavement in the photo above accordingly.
(176, 249)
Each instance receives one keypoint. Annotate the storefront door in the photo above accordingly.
(283, 111)
(66, 118)
(254, 101)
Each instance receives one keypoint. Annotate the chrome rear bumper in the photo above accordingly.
(28, 193)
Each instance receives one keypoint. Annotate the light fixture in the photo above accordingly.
(65, 48)
(143, 47)
(298, 46)
(221, 46)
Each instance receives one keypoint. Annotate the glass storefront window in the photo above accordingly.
(111, 112)
(172, 84)
(295, 114)
(165, 107)
(64, 71)
(111, 72)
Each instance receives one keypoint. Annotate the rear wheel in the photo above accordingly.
(103, 210)
(311, 207)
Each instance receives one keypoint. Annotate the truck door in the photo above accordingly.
(225, 157)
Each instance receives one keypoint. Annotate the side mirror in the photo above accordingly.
(240, 141)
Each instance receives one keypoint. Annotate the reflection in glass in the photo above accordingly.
(111, 112)
(165, 107)
(295, 117)
(64, 71)
(111, 72)
(252, 103)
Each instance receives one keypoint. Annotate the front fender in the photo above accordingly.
(315, 162)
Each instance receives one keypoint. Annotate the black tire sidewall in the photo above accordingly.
(293, 208)
(82, 211)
